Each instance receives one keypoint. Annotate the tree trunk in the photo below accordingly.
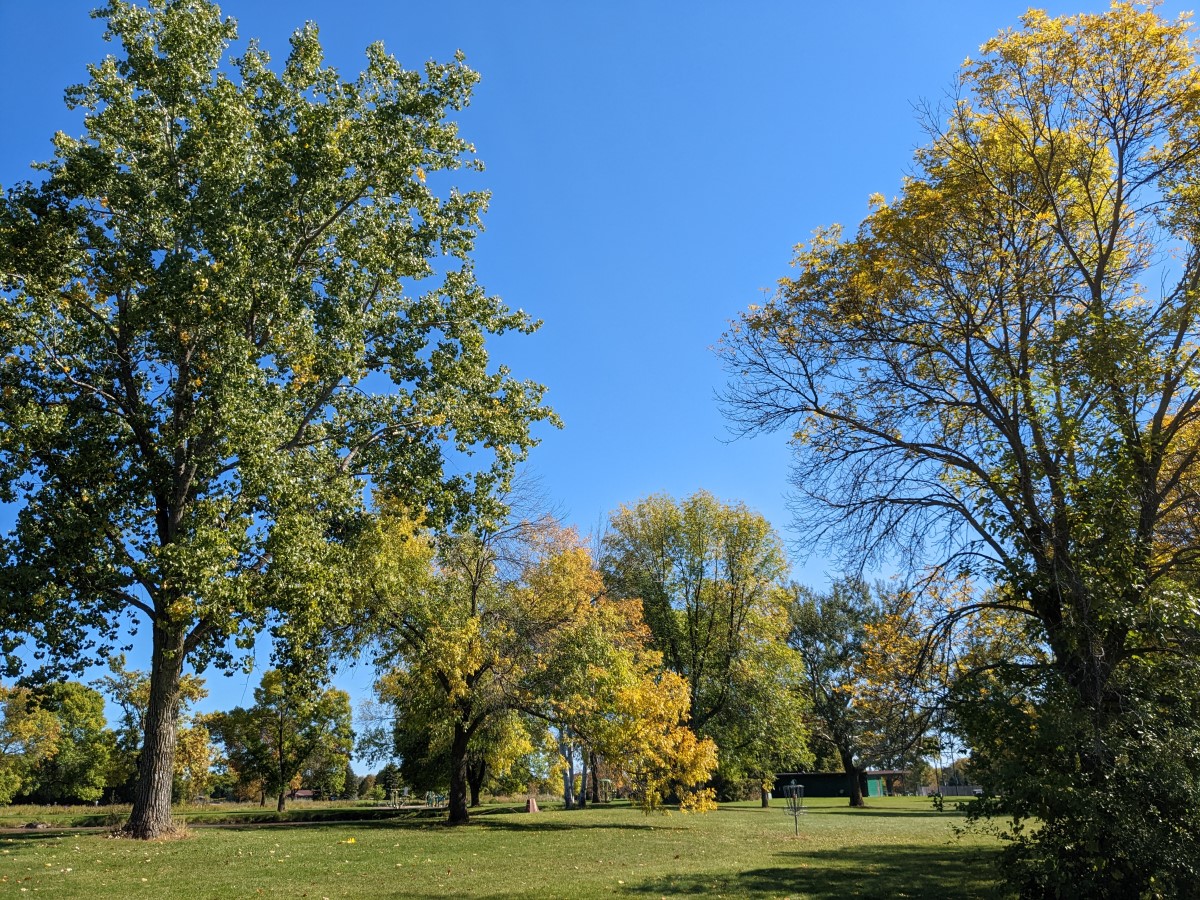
(476, 774)
(568, 789)
(853, 774)
(595, 780)
(582, 799)
(458, 776)
(151, 814)
(568, 755)
(765, 795)
(282, 800)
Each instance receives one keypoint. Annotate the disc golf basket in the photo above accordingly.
(794, 795)
(606, 790)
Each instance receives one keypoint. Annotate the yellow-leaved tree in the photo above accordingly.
(995, 374)
(614, 703)
(464, 622)
(486, 637)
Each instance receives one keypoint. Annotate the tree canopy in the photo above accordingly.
(29, 734)
(76, 770)
(290, 730)
(864, 673)
(229, 302)
(996, 374)
(489, 636)
(711, 579)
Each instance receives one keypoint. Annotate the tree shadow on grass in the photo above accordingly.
(885, 871)
(431, 820)
(542, 825)
(883, 813)
(855, 811)
(46, 834)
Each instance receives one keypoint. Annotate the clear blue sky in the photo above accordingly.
(651, 165)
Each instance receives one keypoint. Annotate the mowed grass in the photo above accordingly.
(59, 817)
(899, 847)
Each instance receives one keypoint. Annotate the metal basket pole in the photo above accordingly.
(794, 794)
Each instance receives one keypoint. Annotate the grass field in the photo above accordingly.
(58, 817)
(899, 847)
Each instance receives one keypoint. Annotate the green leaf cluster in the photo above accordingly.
(228, 305)
(711, 578)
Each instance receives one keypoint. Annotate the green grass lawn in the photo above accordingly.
(59, 817)
(899, 847)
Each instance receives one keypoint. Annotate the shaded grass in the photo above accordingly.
(58, 817)
(738, 851)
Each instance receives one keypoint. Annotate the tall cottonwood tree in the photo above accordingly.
(220, 312)
(997, 373)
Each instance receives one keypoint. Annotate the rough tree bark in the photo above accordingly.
(151, 817)
(595, 780)
(853, 779)
(458, 775)
(476, 773)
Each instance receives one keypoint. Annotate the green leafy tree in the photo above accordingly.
(366, 788)
(349, 788)
(756, 746)
(465, 623)
(996, 374)
(29, 734)
(711, 580)
(865, 675)
(388, 779)
(221, 311)
(325, 771)
(423, 753)
(77, 770)
(290, 730)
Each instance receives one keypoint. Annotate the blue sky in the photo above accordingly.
(651, 166)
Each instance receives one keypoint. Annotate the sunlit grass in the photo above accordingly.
(898, 848)
(84, 816)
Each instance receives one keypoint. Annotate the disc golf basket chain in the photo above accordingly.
(794, 795)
